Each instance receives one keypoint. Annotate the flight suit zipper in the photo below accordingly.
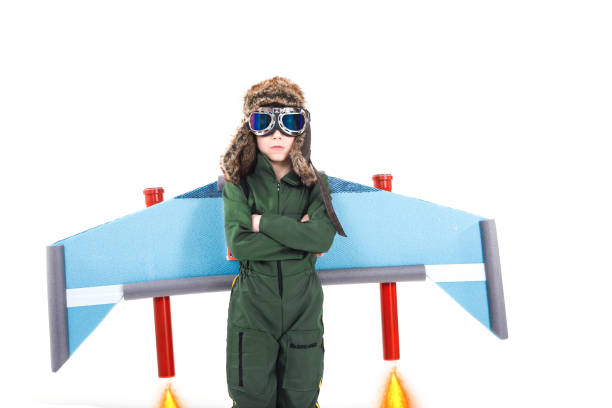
(278, 265)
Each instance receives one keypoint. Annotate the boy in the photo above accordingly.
(276, 220)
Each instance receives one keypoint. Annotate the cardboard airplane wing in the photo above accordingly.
(183, 239)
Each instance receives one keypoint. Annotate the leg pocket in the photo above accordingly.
(303, 360)
(251, 360)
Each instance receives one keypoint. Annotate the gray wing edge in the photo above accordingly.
(56, 293)
(171, 287)
(495, 287)
(220, 182)
(372, 275)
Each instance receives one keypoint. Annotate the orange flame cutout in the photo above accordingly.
(395, 396)
(169, 399)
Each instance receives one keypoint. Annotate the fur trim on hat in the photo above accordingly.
(276, 90)
(239, 159)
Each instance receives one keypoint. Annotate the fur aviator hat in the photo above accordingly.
(239, 159)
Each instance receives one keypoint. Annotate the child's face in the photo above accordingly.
(276, 146)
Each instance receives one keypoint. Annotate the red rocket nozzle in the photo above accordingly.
(388, 295)
(163, 337)
(390, 326)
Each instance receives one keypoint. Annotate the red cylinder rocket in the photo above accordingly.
(388, 295)
(161, 310)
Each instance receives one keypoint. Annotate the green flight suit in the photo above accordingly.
(275, 325)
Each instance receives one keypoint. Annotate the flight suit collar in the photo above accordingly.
(263, 165)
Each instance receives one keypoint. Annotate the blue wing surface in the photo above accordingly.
(184, 237)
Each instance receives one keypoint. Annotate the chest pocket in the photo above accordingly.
(297, 205)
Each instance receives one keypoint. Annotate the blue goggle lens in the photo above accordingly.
(294, 121)
(260, 121)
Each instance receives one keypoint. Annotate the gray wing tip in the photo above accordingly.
(58, 319)
(495, 287)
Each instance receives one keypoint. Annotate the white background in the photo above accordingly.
(501, 109)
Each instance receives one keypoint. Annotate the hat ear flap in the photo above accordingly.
(239, 158)
(329, 208)
(305, 149)
(300, 158)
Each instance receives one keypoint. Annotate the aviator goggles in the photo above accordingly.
(290, 121)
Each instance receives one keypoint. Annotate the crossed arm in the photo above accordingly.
(256, 217)
(272, 236)
(314, 232)
(243, 242)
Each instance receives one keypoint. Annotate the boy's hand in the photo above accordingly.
(255, 222)
(305, 218)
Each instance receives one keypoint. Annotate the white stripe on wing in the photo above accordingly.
(95, 295)
(456, 272)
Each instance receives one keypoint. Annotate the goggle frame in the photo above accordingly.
(276, 122)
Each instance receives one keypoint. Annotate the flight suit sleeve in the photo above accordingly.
(315, 235)
(243, 243)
